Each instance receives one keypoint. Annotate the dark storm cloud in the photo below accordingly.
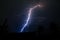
(13, 10)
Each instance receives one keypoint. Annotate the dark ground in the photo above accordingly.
(54, 33)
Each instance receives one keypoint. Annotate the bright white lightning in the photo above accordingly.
(29, 14)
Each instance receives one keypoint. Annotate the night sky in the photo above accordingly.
(16, 12)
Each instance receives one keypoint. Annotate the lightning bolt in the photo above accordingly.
(29, 14)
